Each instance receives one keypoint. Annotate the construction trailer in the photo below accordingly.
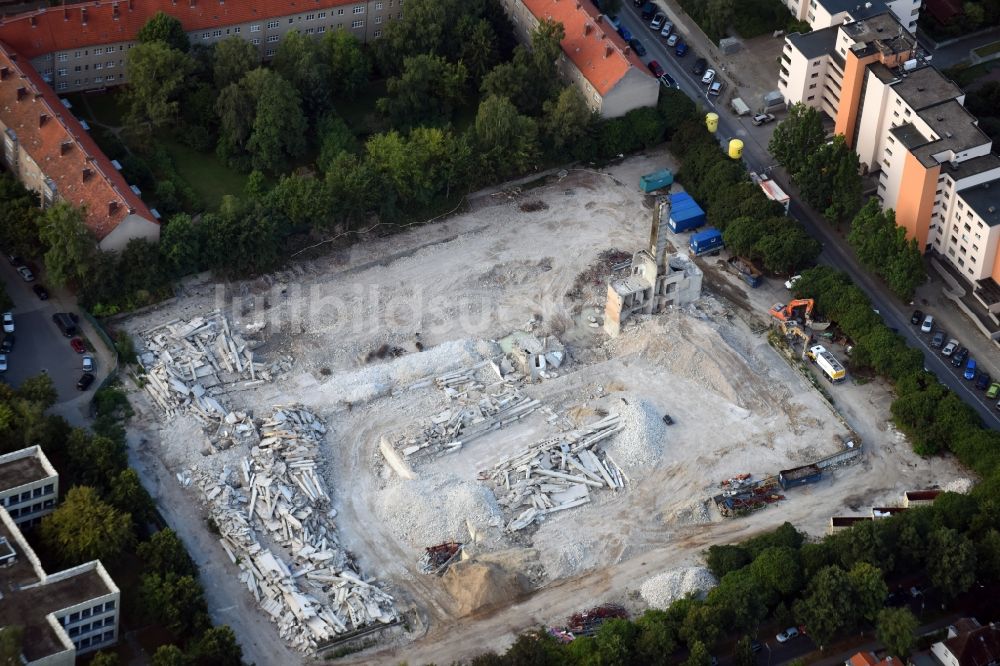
(828, 363)
(708, 241)
(685, 213)
(775, 193)
(656, 180)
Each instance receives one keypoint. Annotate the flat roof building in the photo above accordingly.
(29, 485)
(821, 14)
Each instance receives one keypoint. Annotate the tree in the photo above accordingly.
(95, 460)
(128, 494)
(718, 15)
(242, 240)
(164, 553)
(355, 186)
(175, 601)
(349, 66)
(657, 636)
(897, 629)
(743, 653)
(427, 92)
(479, 50)
(11, 645)
(301, 62)
(797, 137)
(233, 58)
(988, 555)
(217, 647)
(615, 642)
(906, 271)
(105, 659)
(169, 655)
(723, 559)
(72, 247)
(869, 589)
(828, 607)
(165, 29)
(84, 528)
(335, 137)
(531, 77)
(829, 180)
(951, 561)
(39, 390)
(506, 140)
(303, 200)
(19, 214)
(157, 78)
(698, 655)
(180, 246)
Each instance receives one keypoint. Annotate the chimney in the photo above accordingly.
(587, 28)
(42, 118)
(65, 147)
(607, 51)
(83, 15)
(600, 18)
(87, 173)
(112, 207)
(22, 92)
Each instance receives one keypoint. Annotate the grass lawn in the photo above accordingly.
(206, 174)
(989, 49)
(965, 76)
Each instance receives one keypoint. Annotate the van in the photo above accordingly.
(66, 323)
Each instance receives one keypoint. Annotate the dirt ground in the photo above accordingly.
(443, 295)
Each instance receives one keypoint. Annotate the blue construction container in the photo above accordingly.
(656, 180)
(685, 214)
(799, 476)
(703, 242)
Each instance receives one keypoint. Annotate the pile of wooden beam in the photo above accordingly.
(189, 363)
(555, 474)
(466, 420)
(276, 523)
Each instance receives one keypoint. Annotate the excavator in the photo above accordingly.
(795, 320)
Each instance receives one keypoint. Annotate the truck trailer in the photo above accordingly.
(828, 363)
(705, 242)
(775, 193)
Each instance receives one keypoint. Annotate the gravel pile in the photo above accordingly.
(664, 589)
(428, 511)
(639, 444)
(958, 486)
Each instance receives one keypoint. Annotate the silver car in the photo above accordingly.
(8, 322)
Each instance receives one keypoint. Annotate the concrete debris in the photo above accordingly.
(189, 363)
(533, 358)
(472, 415)
(305, 581)
(555, 474)
(663, 589)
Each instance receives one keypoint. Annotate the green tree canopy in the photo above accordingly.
(301, 61)
(897, 629)
(72, 247)
(233, 58)
(349, 66)
(158, 76)
(797, 137)
(505, 140)
(84, 528)
(165, 29)
(175, 601)
(164, 553)
(11, 645)
(426, 93)
(180, 246)
(951, 561)
(217, 647)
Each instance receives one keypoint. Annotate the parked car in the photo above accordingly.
(41, 292)
(669, 81)
(681, 50)
(655, 68)
(787, 635)
(716, 88)
(86, 379)
(15, 260)
(626, 35)
(762, 119)
(928, 324)
(667, 419)
(88, 363)
(983, 380)
(648, 10)
(77, 345)
(756, 646)
(993, 391)
(970, 370)
(7, 346)
(667, 30)
(790, 282)
(699, 66)
(8, 322)
(958, 358)
(3, 362)
(658, 21)
(615, 21)
(26, 273)
(673, 39)
(950, 348)
(938, 340)
(916, 317)
(637, 46)
(66, 321)
(708, 77)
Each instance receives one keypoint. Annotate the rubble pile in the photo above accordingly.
(437, 558)
(663, 589)
(189, 363)
(469, 418)
(556, 473)
(306, 582)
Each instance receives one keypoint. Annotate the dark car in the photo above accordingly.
(756, 646)
(15, 260)
(669, 81)
(667, 419)
(916, 317)
(41, 292)
(958, 358)
(86, 379)
(648, 10)
(626, 35)
(655, 68)
(700, 65)
(938, 340)
(983, 381)
(7, 346)
(637, 46)
(681, 50)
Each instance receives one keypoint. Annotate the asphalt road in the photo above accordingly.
(39, 345)
(835, 252)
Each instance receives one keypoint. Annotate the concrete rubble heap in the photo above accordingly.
(189, 363)
(305, 582)
(556, 474)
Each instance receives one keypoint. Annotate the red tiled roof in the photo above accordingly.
(62, 149)
(869, 659)
(59, 28)
(591, 42)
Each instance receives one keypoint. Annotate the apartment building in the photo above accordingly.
(821, 14)
(64, 614)
(908, 124)
(595, 58)
(83, 46)
(29, 485)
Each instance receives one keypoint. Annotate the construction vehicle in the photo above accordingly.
(828, 363)
(798, 311)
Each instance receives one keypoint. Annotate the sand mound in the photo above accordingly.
(664, 589)
(479, 586)
(431, 510)
(639, 444)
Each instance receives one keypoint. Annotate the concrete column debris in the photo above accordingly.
(276, 522)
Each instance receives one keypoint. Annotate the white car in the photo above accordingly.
(657, 21)
(672, 40)
(950, 348)
(8, 322)
(26, 273)
(787, 635)
(88, 363)
(790, 282)
(3, 362)
(709, 76)
(668, 27)
(928, 324)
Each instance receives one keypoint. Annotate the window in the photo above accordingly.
(99, 65)
(895, 114)
(272, 39)
(61, 72)
(321, 29)
(36, 507)
(108, 635)
(74, 617)
(74, 631)
(61, 86)
(357, 24)
(292, 19)
(272, 24)
(358, 9)
(109, 605)
(216, 33)
(310, 17)
(110, 64)
(814, 75)
(98, 79)
(84, 614)
(98, 51)
(378, 33)
(48, 504)
(309, 31)
(63, 57)
(810, 98)
(76, 54)
(26, 495)
(812, 86)
(237, 29)
(85, 643)
(975, 248)
(14, 513)
(378, 20)
(321, 15)
(255, 28)
(340, 12)
(36, 492)
(255, 41)
(269, 53)
(378, 6)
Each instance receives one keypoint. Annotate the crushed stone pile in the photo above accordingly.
(961, 486)
(639, 444)
(664, 589)
(308, 584)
